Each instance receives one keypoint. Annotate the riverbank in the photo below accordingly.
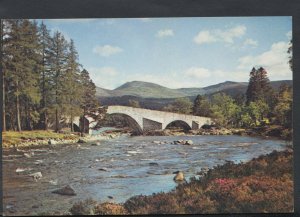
(262, 185)
(272, 131)
(40, 138)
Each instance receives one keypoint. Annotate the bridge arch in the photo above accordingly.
(178, 123)
(130, 120)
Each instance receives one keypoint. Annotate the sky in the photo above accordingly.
(179, 52)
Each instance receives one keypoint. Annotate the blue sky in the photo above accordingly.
(179, 52)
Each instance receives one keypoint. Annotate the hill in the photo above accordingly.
(154, 96)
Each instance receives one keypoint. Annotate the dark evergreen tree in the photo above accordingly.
(22, 68)
(90, 104)
(73, 90)
(45, 76)
(58, 61)
(259, 87)
(290, 52)
(201, 106)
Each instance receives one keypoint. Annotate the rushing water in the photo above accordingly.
(128, 166)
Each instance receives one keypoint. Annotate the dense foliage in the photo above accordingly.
(261, 105)
(180, 105)
(43, 81)
(262, 185)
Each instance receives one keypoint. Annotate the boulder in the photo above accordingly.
(188, 142)
(179, 176)
(67, 190)
(81, 141)
(29, 155)
(153, 164)
(52, 142)
(95, 144)
(103, 169)
(36, 176)
(179, 142)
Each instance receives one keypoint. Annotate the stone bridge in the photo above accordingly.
(148, 119)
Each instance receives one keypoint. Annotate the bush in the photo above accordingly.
(86, 207)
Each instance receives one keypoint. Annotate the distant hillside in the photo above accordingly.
(153, 96)
(147, 90)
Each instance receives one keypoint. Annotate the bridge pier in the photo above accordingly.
(149, 125)
(195, 125)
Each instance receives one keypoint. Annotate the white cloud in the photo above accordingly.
(204, 37)
(250, 42)
(164, 33)
(218, 35)
(230, 34)
(198, 72)
(107, 50)
(275, 61)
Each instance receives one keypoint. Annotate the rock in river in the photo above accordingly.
(153, 164)
(188, 142)
(179, 176)
(67, 190)
(52, 142)
(95, 144)
(36, 176)
(81, 141)
(29, 155)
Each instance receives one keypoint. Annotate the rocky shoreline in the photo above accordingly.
(265, 132)
(52, 142)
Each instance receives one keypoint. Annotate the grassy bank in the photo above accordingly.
(11, 138)
(262, 185)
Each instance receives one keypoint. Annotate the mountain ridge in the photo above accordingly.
(144, 89)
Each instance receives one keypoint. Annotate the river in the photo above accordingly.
(128, 166)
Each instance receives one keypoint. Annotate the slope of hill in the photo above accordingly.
(146, 90)
(154, 96)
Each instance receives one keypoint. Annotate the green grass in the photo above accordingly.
(14, 138)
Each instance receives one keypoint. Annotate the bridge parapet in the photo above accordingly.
(160, 119)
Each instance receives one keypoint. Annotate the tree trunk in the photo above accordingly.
(72, 128)
(44, 115)
(83, 122)
(18, 108)
(56, 121)
(3, 101)
(45, 121)
(3, 80)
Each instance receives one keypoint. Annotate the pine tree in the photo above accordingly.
(90, 104)
(45, 85)
(201, 106)
(22, 67)
(72, 86)
(259, 87)
(290, 52)
(3, 75)
(58, 62)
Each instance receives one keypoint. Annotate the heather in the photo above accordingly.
(262, 185)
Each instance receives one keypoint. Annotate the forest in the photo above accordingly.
(43, 80)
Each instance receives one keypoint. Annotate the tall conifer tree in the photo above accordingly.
(59, 48)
